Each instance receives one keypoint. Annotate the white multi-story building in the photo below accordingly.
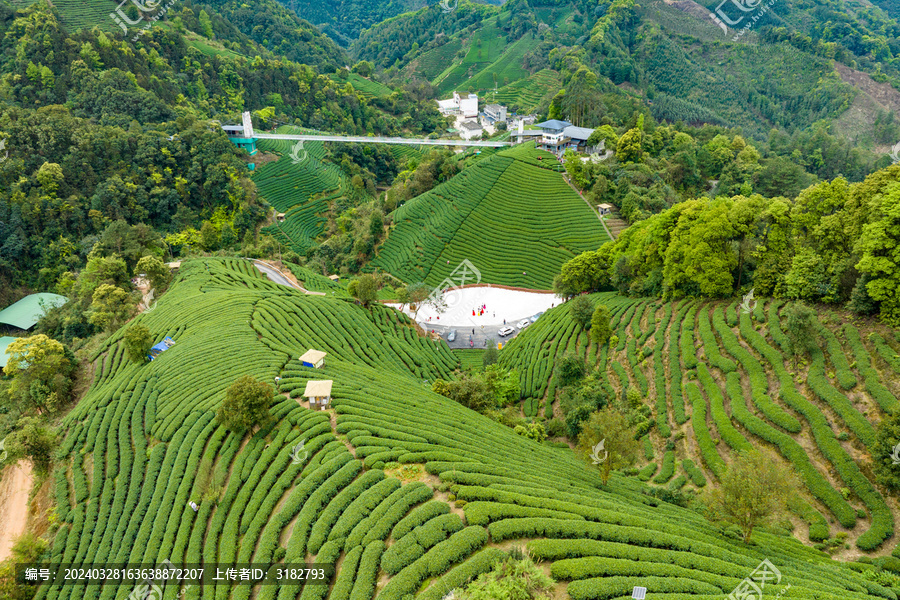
(495, 112)
(466, 106)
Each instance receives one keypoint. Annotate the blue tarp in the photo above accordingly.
(161, 347)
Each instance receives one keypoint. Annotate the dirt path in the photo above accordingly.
(14, 490)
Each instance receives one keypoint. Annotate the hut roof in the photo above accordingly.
(313, 356)
(318, 388)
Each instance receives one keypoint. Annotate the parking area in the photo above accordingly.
(485, 306)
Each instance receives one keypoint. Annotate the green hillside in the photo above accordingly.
(509, 214)
(302, 189)
(312, 485)
(789, 72)
(724, 382)
(529, 93)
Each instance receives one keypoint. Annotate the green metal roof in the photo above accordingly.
(4, 342)
(27, 311)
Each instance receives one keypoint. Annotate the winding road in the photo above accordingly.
(278, 277)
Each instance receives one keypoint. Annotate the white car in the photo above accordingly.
(524, 323)
(505, 331)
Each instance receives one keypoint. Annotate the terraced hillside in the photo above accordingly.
(82, 14)
(300, 184)
(529, 93)
(721, 380)
(491, 63)
(511, 214)
(303, 185)
(364, 485)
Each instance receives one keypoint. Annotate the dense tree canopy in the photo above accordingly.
(835, 243)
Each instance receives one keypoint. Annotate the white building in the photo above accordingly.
(495, 112)
(470, 129)
(459, 105)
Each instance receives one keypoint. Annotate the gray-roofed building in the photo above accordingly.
(470, 129)
(495, 112)
(558, 136)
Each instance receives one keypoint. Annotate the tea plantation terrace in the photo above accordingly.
(144, 443)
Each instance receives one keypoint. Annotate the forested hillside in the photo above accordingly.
(101, 129)
(835, 243)
(673, 59)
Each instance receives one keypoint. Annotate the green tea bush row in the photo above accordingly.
(677, 483)
(601, 588)
(390, 512)
(382, 519)
(555, 550)
(711, 346)
(480, 562)
(668, 468)
(316, 502)
(759, 383)
(341, 501)
(726, 429)
(774, 324)
(483, 513)
(793, 452)
(328, 554)
(420, 514)
(437, 530)
(367, 575)
(647, 472)
(845, 377)
(636, 369)
(648, 447)
(888, 354)
(731, 314)
(674, 356)
(688, 348)
(818, 526)
(838, 402)
(401, 554)
(701, 432)
(694, 472)
(599, 566)
(878, 391)
(361, 506)
(662, 409)
(434, 562)
(343, 583)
